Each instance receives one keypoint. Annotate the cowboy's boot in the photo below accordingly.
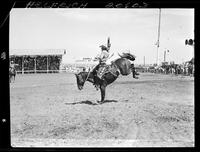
(100, 73)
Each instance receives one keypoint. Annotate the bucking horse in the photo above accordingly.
(119, 66)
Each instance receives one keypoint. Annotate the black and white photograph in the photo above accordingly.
(101, 77)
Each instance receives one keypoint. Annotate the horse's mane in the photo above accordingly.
(128, 56)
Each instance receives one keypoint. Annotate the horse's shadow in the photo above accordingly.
(90, 102)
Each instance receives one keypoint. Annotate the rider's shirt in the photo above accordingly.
(104, 56)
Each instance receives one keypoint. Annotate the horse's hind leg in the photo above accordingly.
(103, 90)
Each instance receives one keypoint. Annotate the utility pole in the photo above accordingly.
(158, 41)
(144, 60)
(108, 43)
(164, 56)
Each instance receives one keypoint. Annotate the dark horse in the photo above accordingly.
(12, 73)
(120, 66)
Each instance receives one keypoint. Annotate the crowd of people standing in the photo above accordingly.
(186, 68)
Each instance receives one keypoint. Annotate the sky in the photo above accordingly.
(82, 31)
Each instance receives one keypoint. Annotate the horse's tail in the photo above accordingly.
(128, 56)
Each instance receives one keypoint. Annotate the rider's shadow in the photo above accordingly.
(90, 102)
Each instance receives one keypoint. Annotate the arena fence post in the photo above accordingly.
(47, 65)
(35, 65)
(22, 64)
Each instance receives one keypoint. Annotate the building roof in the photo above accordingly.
(192, 61)
(23, 52)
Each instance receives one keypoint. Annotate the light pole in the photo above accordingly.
(165, 54)
(191, 43)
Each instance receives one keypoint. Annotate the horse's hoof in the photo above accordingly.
(99, 102)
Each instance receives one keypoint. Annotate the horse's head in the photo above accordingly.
(80, 78)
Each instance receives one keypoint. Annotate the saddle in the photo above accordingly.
(103, 69)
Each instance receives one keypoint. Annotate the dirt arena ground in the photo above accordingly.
(48, 110)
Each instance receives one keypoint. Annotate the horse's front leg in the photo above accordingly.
(134, 73)
(103, 90)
